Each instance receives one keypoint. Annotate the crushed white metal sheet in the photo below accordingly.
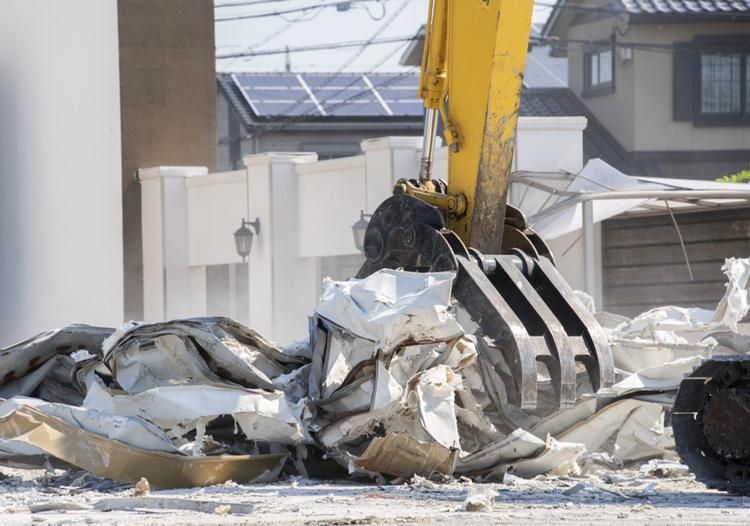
(390, 384)
(262, 416)
(392, 307)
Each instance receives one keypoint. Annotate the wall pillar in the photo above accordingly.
(164, 218)
(589, 254)
(387, 160)
(282, 293)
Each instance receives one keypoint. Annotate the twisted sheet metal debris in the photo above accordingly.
(389, 385)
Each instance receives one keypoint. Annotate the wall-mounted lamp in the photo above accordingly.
(359, 229)
(243, 237)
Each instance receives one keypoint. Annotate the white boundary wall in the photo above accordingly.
(306, 208)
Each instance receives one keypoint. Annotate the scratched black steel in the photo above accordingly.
(711, 422)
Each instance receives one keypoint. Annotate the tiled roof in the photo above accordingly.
(702, 7)
(566, 11)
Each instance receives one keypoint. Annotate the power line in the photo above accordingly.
(340, 5)
(654, 47)
(644, 46)
(261, 42)
(289, 24)
(271, 13)
(356, 55)
(318, 47)
(383, 84)
(304, 18)
(387, 82)
(379, 31)
(247, 2)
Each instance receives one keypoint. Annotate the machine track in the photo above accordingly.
(711, 423)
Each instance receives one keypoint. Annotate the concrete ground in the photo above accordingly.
(623, 497)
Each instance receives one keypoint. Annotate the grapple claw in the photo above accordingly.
(518, 299)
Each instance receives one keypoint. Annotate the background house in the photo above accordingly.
(670, 82)
(669, 79)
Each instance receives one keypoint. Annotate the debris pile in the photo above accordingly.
(391, 384)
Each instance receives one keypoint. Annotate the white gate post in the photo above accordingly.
(164, 218)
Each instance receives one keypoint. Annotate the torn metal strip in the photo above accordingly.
(401, 455)
(117, 461)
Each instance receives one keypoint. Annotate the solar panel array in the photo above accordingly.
(331, 94)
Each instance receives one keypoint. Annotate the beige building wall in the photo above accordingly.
(657, 131)
(614, 111)
(639, 113)
(168, 106)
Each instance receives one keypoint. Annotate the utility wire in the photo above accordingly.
(289, 24)
(354, 57)
(261, 42)
(369, 13)
(247, 2)
(317, 47)
(304, 18)
(379, 31)
(653, 47)
(270, 14)
(385, 83)
(359, 94)
(642, 46)
(282, 12)
(351, 59)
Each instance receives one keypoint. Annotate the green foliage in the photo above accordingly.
(742, 177)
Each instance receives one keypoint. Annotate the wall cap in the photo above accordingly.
(552, 123)
(392, 143)
(218, 178)
(280, 158)
(156, 172)
(356, 162)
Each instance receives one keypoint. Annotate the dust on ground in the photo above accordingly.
(623, 496)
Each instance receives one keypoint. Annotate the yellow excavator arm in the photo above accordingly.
(472, 74)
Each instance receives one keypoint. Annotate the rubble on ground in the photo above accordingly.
(390, 386)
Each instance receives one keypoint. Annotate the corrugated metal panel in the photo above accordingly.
(644, 266)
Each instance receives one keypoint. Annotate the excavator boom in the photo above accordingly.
(472, 73)
(488, 49)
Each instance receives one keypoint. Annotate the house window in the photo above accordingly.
(723, 84)
(712, 81)
(599, 77)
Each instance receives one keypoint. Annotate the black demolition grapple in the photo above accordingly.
(518, 299)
